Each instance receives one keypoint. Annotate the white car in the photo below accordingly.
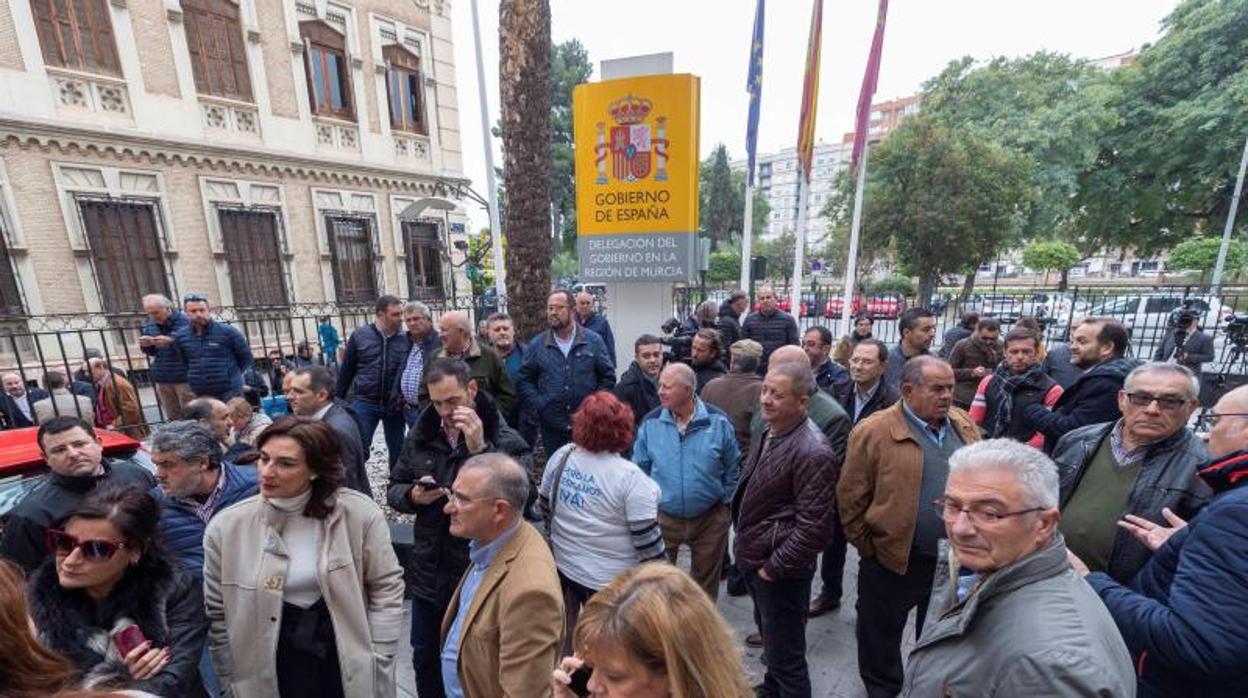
(1149, 315)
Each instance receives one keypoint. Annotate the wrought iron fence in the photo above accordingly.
(33, 346)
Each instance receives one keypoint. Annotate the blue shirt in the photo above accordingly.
(936, 435)
(479, 559)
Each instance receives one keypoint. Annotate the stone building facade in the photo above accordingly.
(266, 153)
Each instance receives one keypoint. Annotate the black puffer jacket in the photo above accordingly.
(166, 603)
(438, 559)
(785, 510)
(772, 331)
(638, 392)
(372, 364)
(1091, 399)
(728, 324)
(1168, 478)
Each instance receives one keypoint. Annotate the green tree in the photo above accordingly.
(948, 199)
(721, 201)
(725, 265)
(569, 67)
(1046, 105)
(779, 253)
(1049, 255)
(1166, 171)
(873, 243)
(1201, 254)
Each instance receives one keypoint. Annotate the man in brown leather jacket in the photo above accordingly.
(896, 458)
(784, 511)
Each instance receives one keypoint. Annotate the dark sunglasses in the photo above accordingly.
(61, 543)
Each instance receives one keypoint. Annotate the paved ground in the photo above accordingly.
(830, 650)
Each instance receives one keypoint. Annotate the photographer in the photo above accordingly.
(1185, 344)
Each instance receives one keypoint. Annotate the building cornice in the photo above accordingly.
(221, 157)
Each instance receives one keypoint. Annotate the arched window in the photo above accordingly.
(405, 85)
(214, 38)
(76, 34)
(329, 75)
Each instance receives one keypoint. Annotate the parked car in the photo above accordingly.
(881, 306)
(23, 468)
(1148, 315)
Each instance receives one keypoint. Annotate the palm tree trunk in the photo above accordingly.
(524, 91)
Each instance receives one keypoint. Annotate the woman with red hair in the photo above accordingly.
(601, 510)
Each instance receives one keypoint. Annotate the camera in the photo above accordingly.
(677, 340)
(1237, 330)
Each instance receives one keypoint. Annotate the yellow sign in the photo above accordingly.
(637, 155)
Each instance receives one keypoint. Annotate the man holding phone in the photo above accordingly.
(460, 422)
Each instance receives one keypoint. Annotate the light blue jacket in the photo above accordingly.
(695, 471)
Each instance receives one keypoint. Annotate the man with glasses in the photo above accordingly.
(460, 422)
(1183, 616)
(216, 354)
(1137, 465)
(1013, 619)
(507, 626)
(76, 458)
(898, 458)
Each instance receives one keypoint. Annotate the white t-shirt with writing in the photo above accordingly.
(599, 494)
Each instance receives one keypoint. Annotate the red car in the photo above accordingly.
(887, 306)
(22, 466)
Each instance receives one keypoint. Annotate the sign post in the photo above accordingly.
(637, 178)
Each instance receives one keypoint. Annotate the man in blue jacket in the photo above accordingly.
(562, 366)
(690, 449)
(193, 484)
(166, 367)
(589, 319)
(1184, 614)
(215, 353)
(373, 364)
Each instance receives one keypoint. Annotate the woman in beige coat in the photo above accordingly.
(301, 585)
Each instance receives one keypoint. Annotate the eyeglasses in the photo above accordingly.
(949, 511)
(1210, 420)
(61, 543)
(1169, 404)
(194, 298)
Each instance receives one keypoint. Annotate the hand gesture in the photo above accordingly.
(561, 677)
(424, 496)
(1153, 535)
(146, 661)
(466, 421)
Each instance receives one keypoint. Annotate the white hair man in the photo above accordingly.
(1138, 465)
(1008, 616)
(166, 365)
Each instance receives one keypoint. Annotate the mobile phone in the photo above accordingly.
(128, 638)
(580, 681)
(426, 485)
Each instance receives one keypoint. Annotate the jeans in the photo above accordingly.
(367, 415)
(780, 612)
(884, 600)
(833, 569)
(555, 439)
(427, 647)
(208, 674)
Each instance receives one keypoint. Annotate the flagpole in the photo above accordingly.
(851, 264)
(746, 234)
(1225, 247)
(799, 247)
(491, 188)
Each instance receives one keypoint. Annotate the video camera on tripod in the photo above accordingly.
(677, 340)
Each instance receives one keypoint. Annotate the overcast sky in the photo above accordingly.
(710, 38)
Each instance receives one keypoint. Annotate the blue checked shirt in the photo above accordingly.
(409, 382)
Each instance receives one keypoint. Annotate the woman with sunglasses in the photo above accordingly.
(112, 601)
(301, 584)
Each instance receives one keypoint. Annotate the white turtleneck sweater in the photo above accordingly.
(302, 537)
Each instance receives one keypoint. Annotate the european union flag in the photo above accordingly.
(754, 85)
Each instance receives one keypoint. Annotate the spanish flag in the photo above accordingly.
(810, 92)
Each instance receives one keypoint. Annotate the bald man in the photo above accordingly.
(459, 341)
(690, 449)
(16, 405)
(589, 319)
